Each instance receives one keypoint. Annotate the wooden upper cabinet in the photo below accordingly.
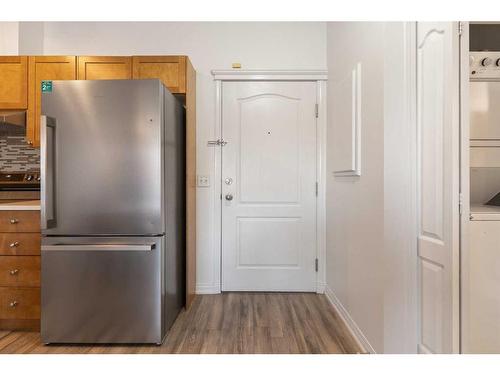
(104, 67)
(14, 82)
(44, 68)
(171, 70)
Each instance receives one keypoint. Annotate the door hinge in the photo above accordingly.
(218, 142)
(317, 188)
(460, 203)
(316, 264)
(316, 110)
(460, 28)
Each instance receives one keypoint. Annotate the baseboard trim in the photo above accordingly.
(207, 289)
(349, 322)
(320, 288)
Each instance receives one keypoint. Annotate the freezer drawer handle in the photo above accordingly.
(105, 247)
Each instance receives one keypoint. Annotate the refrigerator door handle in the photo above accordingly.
(47, 171)
(100, 247)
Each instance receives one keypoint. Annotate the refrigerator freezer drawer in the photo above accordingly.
(102, 290)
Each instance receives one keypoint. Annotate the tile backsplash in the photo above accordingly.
(17, 156)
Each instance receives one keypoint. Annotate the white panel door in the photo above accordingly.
(269, 186)
(438, 148)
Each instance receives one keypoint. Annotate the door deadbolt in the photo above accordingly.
(229, 197)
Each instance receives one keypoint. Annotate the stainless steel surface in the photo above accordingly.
(47, 172)
(100, 247)
(118, 170)
(108, 157)
(12, 122)
(229, 197)
(102, 296)
(19, 181)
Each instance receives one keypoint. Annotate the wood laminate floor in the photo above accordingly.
(228, 323)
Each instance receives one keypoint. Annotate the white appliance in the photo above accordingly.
(481, 286)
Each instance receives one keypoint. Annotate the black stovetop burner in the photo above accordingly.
(29, 181)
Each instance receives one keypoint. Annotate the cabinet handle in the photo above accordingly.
(14, 244)
(14, 272)
(14, 221)
(14, 304)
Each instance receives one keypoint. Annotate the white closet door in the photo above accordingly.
(438, 156)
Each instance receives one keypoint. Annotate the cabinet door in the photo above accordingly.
(44, 68)
(104, 67)
(13, 82)
(171, 70)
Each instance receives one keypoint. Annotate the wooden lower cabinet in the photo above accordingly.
(19, 221)
(20, 243)
(19, 303)
(20, 270)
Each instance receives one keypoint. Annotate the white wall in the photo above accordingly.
(370, 237)
(31, 38)
(9, 35)
(210, 46)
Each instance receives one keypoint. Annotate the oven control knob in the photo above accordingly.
(38, 178)
(498, 62)
(486, 61)
(29, 177)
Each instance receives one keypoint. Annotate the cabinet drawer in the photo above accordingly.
(19, 221)
(20, 243)
(19, 303)
(19, 271)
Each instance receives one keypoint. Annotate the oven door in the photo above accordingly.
(485, 111)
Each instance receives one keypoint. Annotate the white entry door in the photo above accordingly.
(438, 169)
(269, 186)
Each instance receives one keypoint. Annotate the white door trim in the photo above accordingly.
(319, 76)
(464, 188)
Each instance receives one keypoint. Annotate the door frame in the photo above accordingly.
(318, 76)
(464, 187)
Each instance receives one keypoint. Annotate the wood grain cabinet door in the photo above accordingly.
(13, 82)
(171, 70)
(44, 68)
(104, 67)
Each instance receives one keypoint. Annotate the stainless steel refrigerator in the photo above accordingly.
(112, 197)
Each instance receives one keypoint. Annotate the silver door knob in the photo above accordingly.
(14, 272)
(14, 244)
(229, 197)
(13, 304)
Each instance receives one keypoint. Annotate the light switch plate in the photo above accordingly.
(202, 181)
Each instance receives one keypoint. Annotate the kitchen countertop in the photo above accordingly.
(21, 205)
